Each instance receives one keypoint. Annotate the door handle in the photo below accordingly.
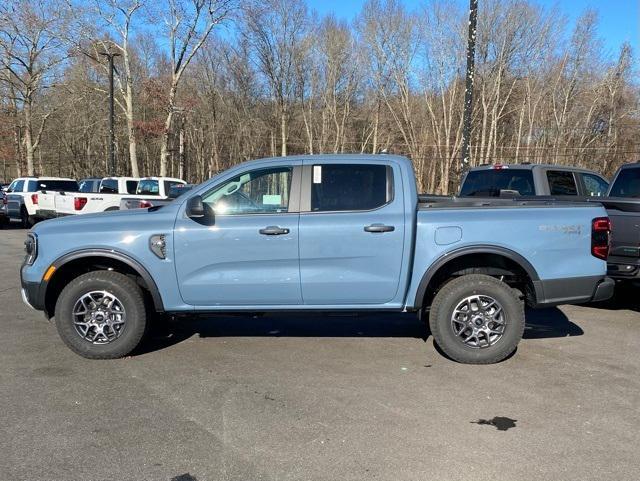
(379, 228)
(274, 230)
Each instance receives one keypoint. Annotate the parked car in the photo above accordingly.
(106, 198)
(319, 233)
(623, 207)
(502, 180)
(145, 202)
(4, 216)
(23, 195)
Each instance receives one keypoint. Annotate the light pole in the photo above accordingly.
(468, 93)
(111, 165)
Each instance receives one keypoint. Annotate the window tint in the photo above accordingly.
(32, 186)
(561, 183)
(56, 185)
(179, 189)
(626, 184)
(16, 186)
(132, 185)
(148, 187)
(170, 184)
(87, 185)
(594, 186)
(491, 182)
(109, 186)
(337, 187)
(264, 191)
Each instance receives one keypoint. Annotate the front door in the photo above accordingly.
(249, 255)
(351, 233)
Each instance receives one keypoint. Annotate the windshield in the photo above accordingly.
(627, 184)
(490, 183)
(148, 187)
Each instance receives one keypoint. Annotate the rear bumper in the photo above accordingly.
(46, 214)
(623, 267)
(573, 290)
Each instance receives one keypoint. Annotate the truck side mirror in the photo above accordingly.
(199, 211)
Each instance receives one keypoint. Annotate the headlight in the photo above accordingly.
(31, 249)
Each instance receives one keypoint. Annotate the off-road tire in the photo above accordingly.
(127, 292)
(455, 292)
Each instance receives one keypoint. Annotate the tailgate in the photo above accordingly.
(625, 233)
(13, 205)
(65, 204)
(47, 201)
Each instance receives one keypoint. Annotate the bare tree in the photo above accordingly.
(275, 30)
(188, 25)
(31, 51)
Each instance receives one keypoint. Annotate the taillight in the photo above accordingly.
(600, 236)
(144, 204)
(4, 200)
(79, 202)
(34, 199)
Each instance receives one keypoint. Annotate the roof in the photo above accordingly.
(530, 167)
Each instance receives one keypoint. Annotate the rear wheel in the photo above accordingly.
(477, 319)
(101, 315)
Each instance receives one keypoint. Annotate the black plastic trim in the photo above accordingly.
(111, 254)
(574, 290)
(479, 249)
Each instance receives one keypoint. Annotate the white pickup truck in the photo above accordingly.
(25, 193)
(108, 197)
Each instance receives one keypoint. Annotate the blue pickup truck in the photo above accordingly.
(318, 233)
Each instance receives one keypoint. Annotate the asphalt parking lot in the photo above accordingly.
(304, 397)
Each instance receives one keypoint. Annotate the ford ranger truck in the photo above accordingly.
(317, 233)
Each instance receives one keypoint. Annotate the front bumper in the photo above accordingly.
(32, 292)
(573, 290)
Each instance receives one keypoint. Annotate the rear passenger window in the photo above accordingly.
(561, 183)
(594, 186)
(340, 187)
(32, 186)
(132, 185)
(109, 186)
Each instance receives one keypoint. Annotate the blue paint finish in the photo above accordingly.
(448, 235)
(326, 261)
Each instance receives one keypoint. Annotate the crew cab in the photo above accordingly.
(503, 180)
(23, 196)
(317, 233)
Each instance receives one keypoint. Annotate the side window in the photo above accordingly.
(263, 191)
(561, 183)
(148, 187)
(16, 186)
(341, 187)
(594, 186)
(109, 186)
(132, 185)
(32, 186)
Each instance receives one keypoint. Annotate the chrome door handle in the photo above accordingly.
(274, 230)
(379, 228)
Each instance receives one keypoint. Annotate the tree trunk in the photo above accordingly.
(133, 155)
(164, 148)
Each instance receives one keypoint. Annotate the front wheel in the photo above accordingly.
(101, 315)
(477, 319)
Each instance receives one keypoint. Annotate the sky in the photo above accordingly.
(619, 20)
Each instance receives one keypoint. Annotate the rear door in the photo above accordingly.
(351, 232)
